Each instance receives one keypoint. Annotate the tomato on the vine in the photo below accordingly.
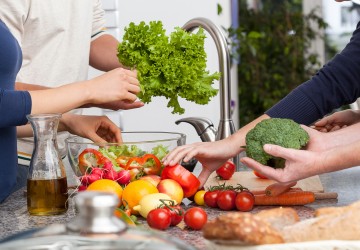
(195, 218)
(159, 218)
(226, 171)
(210, 198)
(226, 200)
(176, 212)
(245, 201)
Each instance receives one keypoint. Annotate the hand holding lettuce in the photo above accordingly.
(168, 66)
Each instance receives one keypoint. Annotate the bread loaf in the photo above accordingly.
(280, 217)
(336, 210)
(344, 226)
(281, 225)
(243, 227)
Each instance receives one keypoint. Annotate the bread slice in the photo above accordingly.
(245, 228)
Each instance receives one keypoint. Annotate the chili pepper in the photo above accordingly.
(187, 180)
(86, 162)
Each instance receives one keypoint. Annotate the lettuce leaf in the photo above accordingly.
(172, 66)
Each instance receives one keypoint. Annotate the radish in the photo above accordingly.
(97, 171)
(93, 177)
(123, 177)
(111, 175)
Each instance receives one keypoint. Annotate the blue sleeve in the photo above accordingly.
(335, 85)
(14, 106)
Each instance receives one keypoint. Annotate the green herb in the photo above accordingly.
(171, 67)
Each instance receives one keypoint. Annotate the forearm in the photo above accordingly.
(24, 131)
(61, 99)
(341, 157)
(103, 53)
(342, 137)
(25, 86)
(237, 140)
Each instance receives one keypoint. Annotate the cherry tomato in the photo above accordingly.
(195, 218)
(210, 198)
(244, 201)
(193, 196)
(226, 171)
(226, 200)
(177, 214)
(259, 175)
(199, 197)
(159, 218)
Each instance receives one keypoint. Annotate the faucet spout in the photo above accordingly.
(226, 125)
(203, 126)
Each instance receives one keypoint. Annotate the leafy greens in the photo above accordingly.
(168, 66)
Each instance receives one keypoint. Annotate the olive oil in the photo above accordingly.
(47, 197)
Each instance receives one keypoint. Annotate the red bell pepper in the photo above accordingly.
(187, 180)
(91, 158)
(122, 161)
(141, 161)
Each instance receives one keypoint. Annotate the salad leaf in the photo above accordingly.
(114, 152)
(168, 66)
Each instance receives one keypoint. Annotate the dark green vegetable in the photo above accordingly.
(278, 131)
(172, 66)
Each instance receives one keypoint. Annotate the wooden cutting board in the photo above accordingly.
(250, 181)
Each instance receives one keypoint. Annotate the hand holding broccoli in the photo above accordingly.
(283, 132)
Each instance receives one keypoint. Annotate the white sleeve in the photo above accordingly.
(98, 25)
(14, 15)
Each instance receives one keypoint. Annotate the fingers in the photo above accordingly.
(278, 151)
(177, 155)
(269, 172)
(133, 105)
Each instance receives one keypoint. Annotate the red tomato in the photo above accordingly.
(195, 218)
(244, 201)
(177, 214)
(226, 171)
(226, 200)
(259, 175)
(210, 198)
(187, 180)
(159, 218)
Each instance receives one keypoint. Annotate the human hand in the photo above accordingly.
(338, 120)
(114, 86)
(211, 155)
(302, 159)
(299, 164)
(99, 129)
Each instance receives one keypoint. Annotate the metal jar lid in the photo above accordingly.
(96, 214)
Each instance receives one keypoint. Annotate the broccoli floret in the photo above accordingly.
(278, 131)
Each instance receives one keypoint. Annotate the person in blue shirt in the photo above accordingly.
(118, 84)
(335, 85)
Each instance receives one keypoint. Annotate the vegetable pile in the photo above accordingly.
(168, 66)
(278, 131)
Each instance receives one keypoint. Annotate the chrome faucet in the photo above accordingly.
(204, 127)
